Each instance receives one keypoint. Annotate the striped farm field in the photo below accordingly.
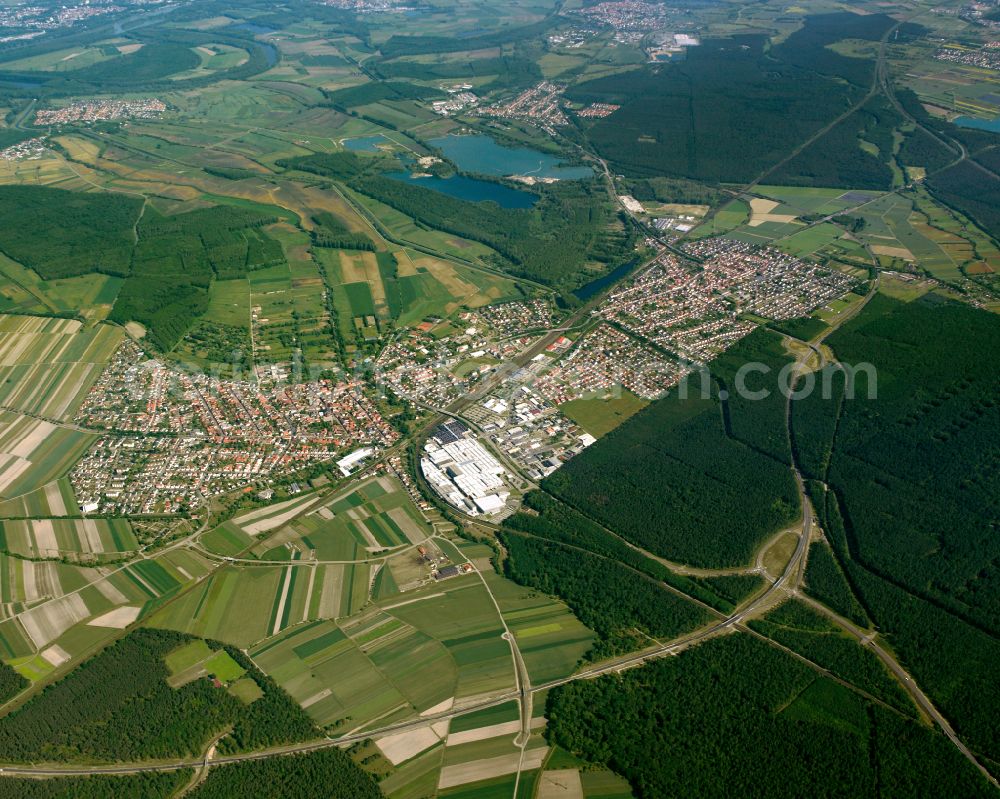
(376, 516)
(326, 673)
(460, 614)
(48, 365)
(59, 538)
(59, 609)
(233, 605)
(34, 452)
(420, 667)
(226, 539)
(264, 520)
(51, 500)
(551, 639)
(242, 606)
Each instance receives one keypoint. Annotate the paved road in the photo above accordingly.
(789, 580)
(868, 639)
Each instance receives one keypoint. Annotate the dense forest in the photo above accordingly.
(376, 91)
(177, 257)
(809, 46)
(11, 683)
(511, 70)
(155, 785)
(970, 186)
(164, 53)
(550, 243)
(548, 518)
(837, 159)
(324, 774)
(826, 582)
(916, 468)
(912, 508)
(117, 706)
(169, 262)
(397, 46)
(804, 630)
(330, 232)
(694, 480)
(734, 107)
(736, 717)
(928, 640)
(154, 60)
(64, 233)
(342, 165)
(623, 607)
(971, 191)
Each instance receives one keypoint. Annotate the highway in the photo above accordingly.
(607, 667)
(869, 640)
(787, 583)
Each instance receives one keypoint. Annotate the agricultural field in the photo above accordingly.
(373, 518)
(62, 611)
(367, 668)
(69, 59)
(551, 639)
(48, 365)
(51, 500)
(290, 207)
(374, 291)
(88, 296)
(34, 452)
(243, 605)
(73, 539)
(461, 615)
(728, 218)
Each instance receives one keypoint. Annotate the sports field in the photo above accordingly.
(600, 416)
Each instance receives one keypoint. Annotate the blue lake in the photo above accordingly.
(364, 144)
(598, 285)
(470, 189)
(992, 125)
(479, 153)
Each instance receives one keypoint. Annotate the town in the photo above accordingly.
(985, 57)
(38, 19)
(693, 308)
(539, 105)
(24, 151)
(101, 110)
(171, 438)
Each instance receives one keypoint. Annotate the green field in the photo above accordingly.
(48, 365)
(376, 516)
(244, 605)
(64, 611)
(600, 416)
(339, 684)
(67, 538)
